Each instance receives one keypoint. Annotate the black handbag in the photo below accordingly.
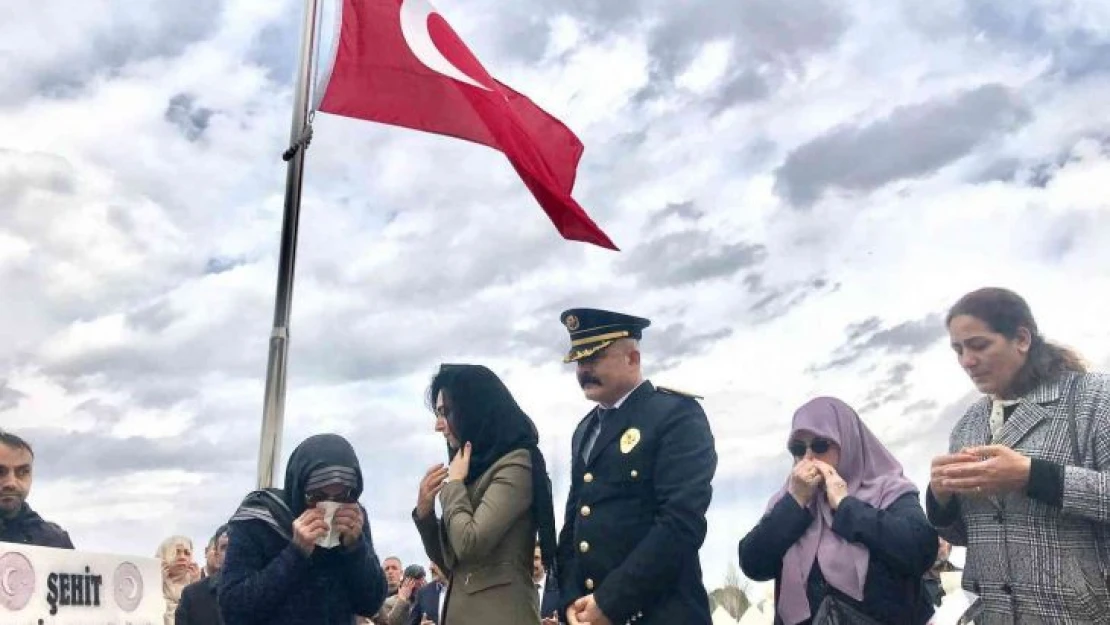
(836, 611)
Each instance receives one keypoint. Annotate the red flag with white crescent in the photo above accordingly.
(399, 62)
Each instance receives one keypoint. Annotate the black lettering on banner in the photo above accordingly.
(63, 589)
(73, 589)
(96, 581)
(52, 593)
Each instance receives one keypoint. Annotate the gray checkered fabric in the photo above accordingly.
(1031, 562)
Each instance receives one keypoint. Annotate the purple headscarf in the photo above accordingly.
(873, 476)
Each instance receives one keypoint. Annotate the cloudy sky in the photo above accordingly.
(800, 189)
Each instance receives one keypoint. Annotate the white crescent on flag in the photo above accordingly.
(414, 28)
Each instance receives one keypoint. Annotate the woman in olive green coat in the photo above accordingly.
(495, 497)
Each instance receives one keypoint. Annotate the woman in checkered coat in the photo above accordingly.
(1025, 485)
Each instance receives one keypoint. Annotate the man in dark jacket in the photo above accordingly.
(199, 605)
(642, 465)
(277, 572)
(18, 522)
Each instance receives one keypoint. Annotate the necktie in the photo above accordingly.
(998, 414)
(592, 430)
(539, 594)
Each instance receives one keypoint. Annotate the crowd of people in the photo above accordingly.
(1024, 486)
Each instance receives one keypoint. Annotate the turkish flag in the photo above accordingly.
(398, 62)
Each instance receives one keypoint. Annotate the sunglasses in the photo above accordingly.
(347, 496)
(818, 445)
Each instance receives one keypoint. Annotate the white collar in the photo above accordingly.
(621, 401)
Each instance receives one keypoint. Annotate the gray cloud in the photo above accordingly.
(689, 257)
(912, 142)
(190, 119)
(670, 345)
(892, 388)
(687, 211)
(125, 33)
(9, 397)
(92, 456)
(775, 300)
(865, 339)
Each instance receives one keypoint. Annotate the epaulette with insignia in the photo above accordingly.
(674, 391)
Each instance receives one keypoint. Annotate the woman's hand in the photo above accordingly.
(429, 488)
(804, 481)
(996, 470)
(460, 466)
(938, 476)
(836, 489)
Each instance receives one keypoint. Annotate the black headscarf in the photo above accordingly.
(484, 413)
(278, 508)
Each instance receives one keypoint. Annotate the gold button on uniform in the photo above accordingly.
(589, 584)
(587, 478)
(583, 546)
(635, 474)
(585, 511)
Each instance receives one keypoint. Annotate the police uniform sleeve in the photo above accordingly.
(685, 463)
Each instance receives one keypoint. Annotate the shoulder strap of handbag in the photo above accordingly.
(1073, 423)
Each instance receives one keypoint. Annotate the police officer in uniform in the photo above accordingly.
(643, 460)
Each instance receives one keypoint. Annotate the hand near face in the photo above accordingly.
(348, 522)
(307, 528)
(430, 486)
(460, 465)
(836, 489)
(805, 479)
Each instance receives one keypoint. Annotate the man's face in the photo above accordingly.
(393, 572)
(437, 575)
(15, 479)
(537, 565)
(214, 555)
(609, 374)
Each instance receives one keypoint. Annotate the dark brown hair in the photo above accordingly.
(1005, 312)
(15, 442)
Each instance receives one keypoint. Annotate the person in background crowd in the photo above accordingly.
(214, 553)
(547, 589)
(412, 580)
(199, 605)
(641, 482)
(18, 522)
(1025, 485)
(495, 498)
(275, 573)
(428, 607)
(178, 571)
(934, 586)
(846, 537)
(391, 567)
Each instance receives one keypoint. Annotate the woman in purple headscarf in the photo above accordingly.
(845, 540)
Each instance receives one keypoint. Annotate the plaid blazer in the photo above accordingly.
(1029, 561)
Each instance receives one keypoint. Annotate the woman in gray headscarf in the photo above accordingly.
(846, 539)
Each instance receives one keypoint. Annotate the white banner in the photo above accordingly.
(42, 586)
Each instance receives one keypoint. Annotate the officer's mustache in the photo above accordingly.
(586, 378)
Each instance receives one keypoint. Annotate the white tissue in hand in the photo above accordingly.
(330, 539)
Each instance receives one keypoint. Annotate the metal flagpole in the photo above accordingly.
(273, 412)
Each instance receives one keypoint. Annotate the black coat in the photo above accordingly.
(267, 580)
(552, 600)
(28, 528)
(901, 542)
(198, 605)
(635, 516)
(426, 604)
